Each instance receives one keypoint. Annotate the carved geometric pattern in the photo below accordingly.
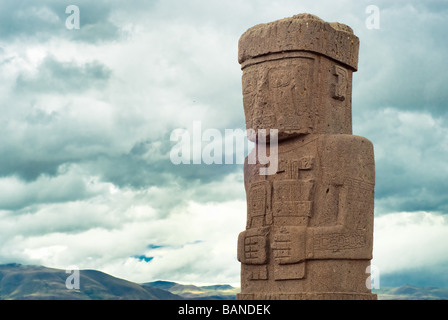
(258, 272)
(253, 246)
(258, 202)
(339, 241)
(289, 245)
(340, 88)
(291, 198)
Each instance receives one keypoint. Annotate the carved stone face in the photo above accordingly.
(276, 95)
(297, 94)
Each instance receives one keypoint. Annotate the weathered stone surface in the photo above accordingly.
(309, 232)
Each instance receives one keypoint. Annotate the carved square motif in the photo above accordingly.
(253, 246)
(258, 273)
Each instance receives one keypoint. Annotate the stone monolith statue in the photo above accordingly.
(309, 232)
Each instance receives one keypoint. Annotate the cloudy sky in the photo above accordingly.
(87, 114)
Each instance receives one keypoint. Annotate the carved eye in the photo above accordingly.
(279, 78)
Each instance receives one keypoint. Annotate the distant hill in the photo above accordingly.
(214, 292)
(19, 282)
(409, 292)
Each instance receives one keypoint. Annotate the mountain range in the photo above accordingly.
(19, 282)
(214, 292)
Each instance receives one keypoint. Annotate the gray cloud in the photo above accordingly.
(67, 185)
(46, 20)
(410, 150)
(410, 248)
(399, 103)
(53, 76)
(400, 63)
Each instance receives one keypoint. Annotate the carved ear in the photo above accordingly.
(340, 87)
